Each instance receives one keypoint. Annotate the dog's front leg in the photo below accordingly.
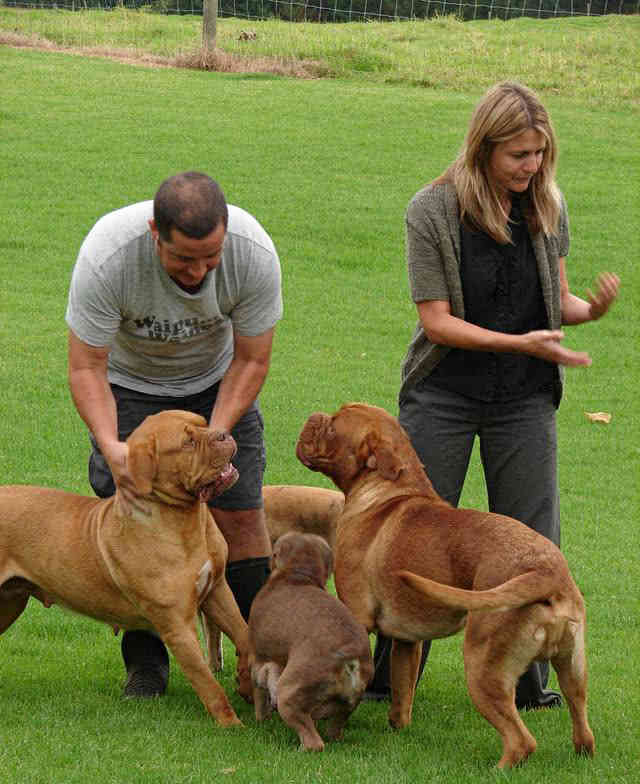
(405, 661)
(182, 641)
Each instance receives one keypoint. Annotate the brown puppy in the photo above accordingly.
(309, 510)
(414, 568)
(307, 654)
(153, 564)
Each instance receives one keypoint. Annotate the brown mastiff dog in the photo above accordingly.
(309, 657)
(153, 564)
(414, 568)
(308, 510)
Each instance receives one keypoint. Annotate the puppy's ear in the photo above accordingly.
(281, 552)
(142, 464)
(384, 459)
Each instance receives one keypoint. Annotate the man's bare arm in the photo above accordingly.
(94, 400)
(243, 380)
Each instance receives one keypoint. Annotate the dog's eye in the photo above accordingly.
(189, 443)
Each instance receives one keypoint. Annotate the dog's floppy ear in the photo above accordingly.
(383, 458)
(281, 552)
(142, 464)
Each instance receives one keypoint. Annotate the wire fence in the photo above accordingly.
(356, 10)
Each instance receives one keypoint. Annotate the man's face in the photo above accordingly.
(188, 261)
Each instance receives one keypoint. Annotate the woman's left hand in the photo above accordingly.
(607, 291)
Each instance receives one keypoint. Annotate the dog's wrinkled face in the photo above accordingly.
(174, 454)
(356, 439)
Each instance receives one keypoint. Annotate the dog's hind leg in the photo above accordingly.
(296, 697)
(491, 680)
(265, 677)
(12, 603)
(572, 677)
(405, 662)
(262, 702)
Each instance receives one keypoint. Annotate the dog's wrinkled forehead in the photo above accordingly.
(350, 425)
(168, 424)
(317, 429)
(357, 421)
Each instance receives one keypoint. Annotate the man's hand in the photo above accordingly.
(116, 453)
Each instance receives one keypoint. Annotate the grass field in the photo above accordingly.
(594, 58)
(328, 166)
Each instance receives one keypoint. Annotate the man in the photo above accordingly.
(173, 305)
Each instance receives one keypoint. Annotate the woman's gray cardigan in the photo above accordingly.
(433, 258)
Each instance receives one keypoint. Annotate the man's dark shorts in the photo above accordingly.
(250, 460)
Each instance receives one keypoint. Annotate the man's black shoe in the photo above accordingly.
(146, 682)
(147, 663)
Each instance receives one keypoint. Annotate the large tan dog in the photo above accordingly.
(308, 510)
(308, 655)
(152, 564)
(414, 568)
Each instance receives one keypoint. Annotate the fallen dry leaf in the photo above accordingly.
(598, 416)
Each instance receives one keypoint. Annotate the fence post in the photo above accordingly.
(209, 24)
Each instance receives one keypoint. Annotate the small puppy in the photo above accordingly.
(308, 656)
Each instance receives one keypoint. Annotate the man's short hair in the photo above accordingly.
(190, 202)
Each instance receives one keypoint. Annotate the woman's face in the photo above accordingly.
(513, 163)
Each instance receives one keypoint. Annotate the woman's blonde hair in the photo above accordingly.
(507, 110)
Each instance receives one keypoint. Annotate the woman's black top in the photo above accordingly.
(502, 292)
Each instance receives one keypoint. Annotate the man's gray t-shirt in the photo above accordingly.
(163, 340)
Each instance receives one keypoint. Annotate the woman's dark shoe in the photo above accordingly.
(379, 687)
(531, 689)
(546, 699)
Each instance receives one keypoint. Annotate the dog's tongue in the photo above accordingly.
(228, 477)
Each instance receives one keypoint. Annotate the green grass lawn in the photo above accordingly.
(594, 58)
(328, 166)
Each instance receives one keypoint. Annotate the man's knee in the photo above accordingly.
(245, 531)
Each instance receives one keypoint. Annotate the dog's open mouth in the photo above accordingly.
(227, 478)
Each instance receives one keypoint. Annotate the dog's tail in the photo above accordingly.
(524, 589)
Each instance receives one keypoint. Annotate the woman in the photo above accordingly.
(486, 248)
